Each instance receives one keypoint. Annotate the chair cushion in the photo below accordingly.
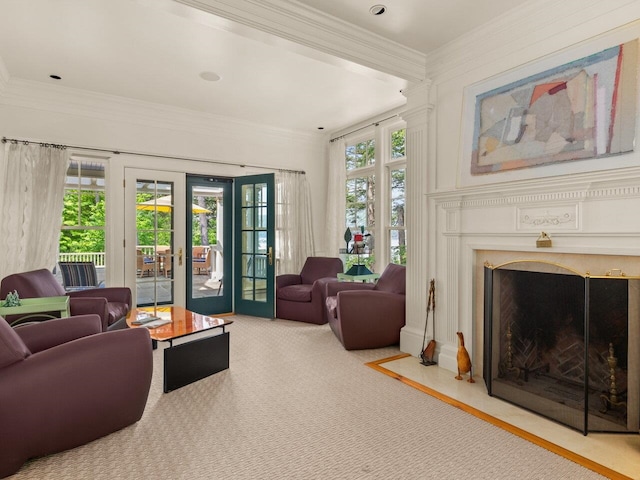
(116, 310)
(332, 306)
(12, 348)
(78, 274)
(295, 293)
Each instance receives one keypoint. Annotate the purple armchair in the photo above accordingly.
(301, 297)
(111, 304)
(366, 315)
(55, 392)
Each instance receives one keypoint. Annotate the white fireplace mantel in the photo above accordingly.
(586, 216)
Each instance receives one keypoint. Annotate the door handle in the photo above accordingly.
(180, 257)
(270, 255)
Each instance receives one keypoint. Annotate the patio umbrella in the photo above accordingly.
(164, 204)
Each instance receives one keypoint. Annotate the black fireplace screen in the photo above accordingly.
(557, 343)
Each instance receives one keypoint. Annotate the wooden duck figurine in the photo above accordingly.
(464, 361)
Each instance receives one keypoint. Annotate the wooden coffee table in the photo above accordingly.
(192, 359)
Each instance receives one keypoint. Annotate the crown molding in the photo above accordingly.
(54, 98)
(503, 40)
(308, 27)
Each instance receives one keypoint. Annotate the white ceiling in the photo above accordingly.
(423, 25)
(155, 50)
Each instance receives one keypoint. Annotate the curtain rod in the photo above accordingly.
(153, 155)
(376, 123)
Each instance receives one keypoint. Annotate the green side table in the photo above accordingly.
(35, 307)
(371, 277)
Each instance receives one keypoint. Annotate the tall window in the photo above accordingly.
(397, 175)
(360, 192)
(83, 217)
(376, 179)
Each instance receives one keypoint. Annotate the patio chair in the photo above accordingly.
(79, 276)
(201, 259)
(145, 263)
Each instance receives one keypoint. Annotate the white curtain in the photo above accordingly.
(294, 234)
(336, 201)
(31, 201)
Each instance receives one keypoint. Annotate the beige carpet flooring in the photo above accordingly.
(295, 405)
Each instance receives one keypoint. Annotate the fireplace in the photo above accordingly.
(561, 343)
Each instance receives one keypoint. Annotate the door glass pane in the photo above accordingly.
(247, 195)
(247, 289)
(247, 243)
(207, 256)
(247, 218)
(254, 242)
(154, 240)
(261, 241)
(261, 221)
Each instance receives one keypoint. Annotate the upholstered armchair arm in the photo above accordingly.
(287, 279)
(90, 305)
(45, 335)
(319, 290)
(373, 314)
(112, 294)
(335, 287)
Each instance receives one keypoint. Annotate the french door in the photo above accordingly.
(209, 250)
(182, 248)
(254, 270)
(155, 218)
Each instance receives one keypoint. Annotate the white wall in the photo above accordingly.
(466, 215)
(41, 112)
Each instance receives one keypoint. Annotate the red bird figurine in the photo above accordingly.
(464, 361)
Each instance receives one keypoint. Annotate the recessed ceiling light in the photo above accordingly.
(377, 10)
(210, 76)
(320, 128)
(55, 77)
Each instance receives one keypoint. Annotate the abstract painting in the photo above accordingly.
(579, 110)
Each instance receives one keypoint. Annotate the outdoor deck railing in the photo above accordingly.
(96, 257)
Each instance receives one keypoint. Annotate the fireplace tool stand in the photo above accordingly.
(426, 355)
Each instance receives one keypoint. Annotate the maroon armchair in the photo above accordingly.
(301, 296)
(366, 315)
(111, 304)
(55, 392)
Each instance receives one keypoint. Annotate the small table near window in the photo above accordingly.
(369, 277)
(37, 307)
